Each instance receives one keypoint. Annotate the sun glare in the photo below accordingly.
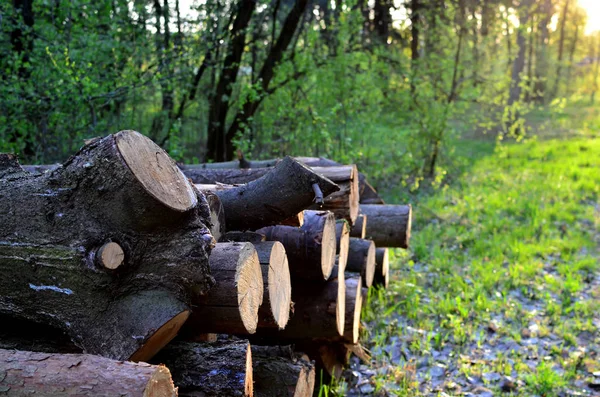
(592, 7)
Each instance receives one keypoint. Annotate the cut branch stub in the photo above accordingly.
(210, 369)
(388, 225)
(279, 194)
(361, 259)
(232, 305)
(382, 272)
(53, 224)
(275, 310)
(345, 202)
(311, 248)
(28, 373)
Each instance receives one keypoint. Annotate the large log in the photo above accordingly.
(388, 225)
(359, 229)
(361, 259)
(277, 376)
(232, 305)
(278, 195)
(25, 373)
(311, 248)
(58, 257)
(275, 310)
(210, 369)
(382, 268)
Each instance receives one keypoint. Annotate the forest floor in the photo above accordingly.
(500, 291)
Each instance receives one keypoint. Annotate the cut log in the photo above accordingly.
(282, 377)
(217, 215)
(279, 194)
(43, 374)
(382, 273)
(354, 300)
(53, 228)
(330, 357)
(295, 220)
(232, 305)
(359, 229)
(317, 314)
(388, 225)
(275, 310)
(210, 369)
(343, 242)
(361, 259)
(345, 202)
(311, 248)
(242, 237)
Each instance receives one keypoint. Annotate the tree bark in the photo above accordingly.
(359, 229)
(572, 57)
(278, 195)
(519, 62)
(210, 369)
(242, 237)
(361, 259)
(388, 225)
(382, 272)
(282, 377)
(541, 56)
(232, 305)
(561, 46)
(275, 310)
(122, 189)
(44, 374)
(311, 248)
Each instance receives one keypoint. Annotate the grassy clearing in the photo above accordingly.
(501, 289)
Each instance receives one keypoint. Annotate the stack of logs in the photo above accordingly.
(124, 273)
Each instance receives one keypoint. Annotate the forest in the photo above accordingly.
(481, 114)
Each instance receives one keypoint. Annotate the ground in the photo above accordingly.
(500, 291)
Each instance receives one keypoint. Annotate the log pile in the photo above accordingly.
(127, 274)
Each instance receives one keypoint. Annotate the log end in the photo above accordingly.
(382, 276)
(328, 245)
(369, 275)
(249, 378)
(279, 289)
(156, 171)
(160, 338)
(160, 384)
(110, 256)
(354, 291)
(408, 227)
(250, 287)
(305, 385)
(354, 195)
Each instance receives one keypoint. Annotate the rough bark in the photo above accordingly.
(361, 259)
(44, 374)
(359, 229)
(122, 189)
(311, 248)
(275, 310)
(282, 377)
(278, 195)
(388, 225)
(210, 369)
(231, 306)
(382, 273)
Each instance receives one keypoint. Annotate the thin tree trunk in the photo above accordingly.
(519, 62)
(597, 71)
(530, 86)
(571, 58)
(561, 45)
(415, 28)
(541, 56)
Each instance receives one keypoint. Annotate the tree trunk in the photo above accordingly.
(22, 39)
(561, 47)
(276, 376)
(382, 267)
(519, 62)
(275, 310)
(361, 259)
(388, 225)
(572, 57)
(359, 229)
(44, 374)
(276, 196)
(596, 72)
(311, 248)
(232, 305)
(122, 189)
(210, 369)
(541, 56)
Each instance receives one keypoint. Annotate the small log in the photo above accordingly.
(275, 310)
(210, 369)
(343, 242)
(217, 215)
(242, 237)
(388, 225)
(279, 194)
(26, 373)
(359, 229)
(231, 306)
(361, 259)
(276, 376)
(354, 300)
(382, 273)
(317, 314)
(311, 248)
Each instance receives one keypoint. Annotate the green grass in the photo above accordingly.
(511, 245)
